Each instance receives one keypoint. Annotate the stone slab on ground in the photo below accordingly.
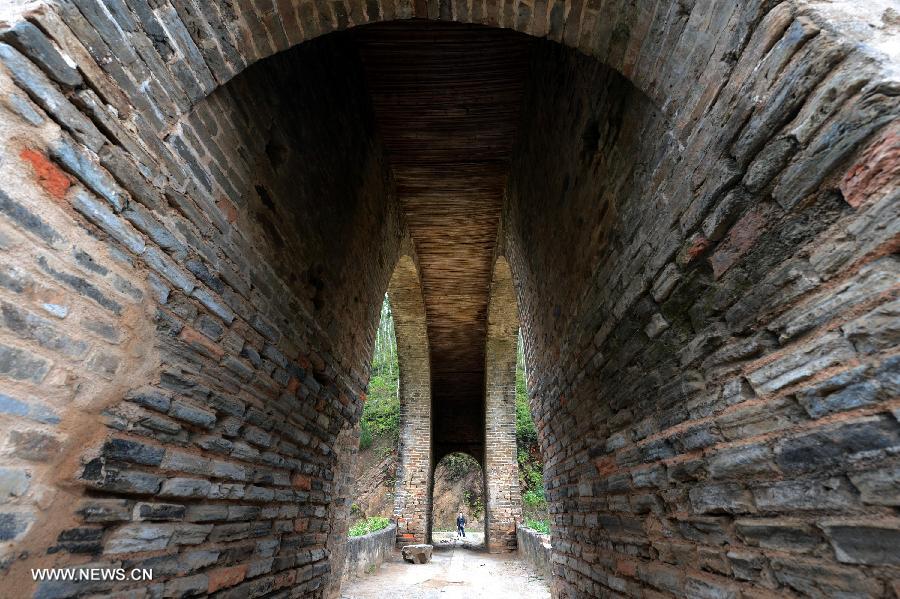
(417, 554)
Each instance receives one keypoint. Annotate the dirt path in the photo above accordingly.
(454, 572)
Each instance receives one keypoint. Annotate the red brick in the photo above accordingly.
(694, 248)
(740, 239)
(201, 343)
(226, 577)
(605, 466)
(49, 176)
(302, 482)
(626, 567)
(878, 169)
(227, 209)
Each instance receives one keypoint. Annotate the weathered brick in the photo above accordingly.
(86, 168)
(802, 495)
(42, 91)
(28, 220)
(872, 543)
(722, 498)
(781, 535)
(29, 40)
(185, 487)
(22, 365)
(880, 487)
(35, 446)
(829, 446)
(741, 461)
(132, 538)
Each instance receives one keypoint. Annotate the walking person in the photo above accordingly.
(460, 526)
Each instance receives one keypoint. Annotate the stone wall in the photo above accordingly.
(365, 554)
(534, 548)
(190, 288)
(708, 287)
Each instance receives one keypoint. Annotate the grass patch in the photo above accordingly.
(541, 526)
(369, 525)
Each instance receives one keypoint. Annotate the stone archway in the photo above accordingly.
(705, 276)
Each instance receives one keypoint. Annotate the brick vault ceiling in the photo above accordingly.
(447, 102)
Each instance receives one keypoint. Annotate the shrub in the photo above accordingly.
(534, 498)
(365, 435)
(381, 412)
(541, 526)
(364, 527)
(526, 433)
(459, 465)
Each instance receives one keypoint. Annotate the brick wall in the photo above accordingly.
(188, 305)
(710, 314)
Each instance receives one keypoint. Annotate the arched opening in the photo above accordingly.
(201, 216)
(458, 487)
(380, 425)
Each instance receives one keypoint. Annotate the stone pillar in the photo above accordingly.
(504, 501)
(412, 502)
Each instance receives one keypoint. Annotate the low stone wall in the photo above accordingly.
(369, 550)
(534, 548)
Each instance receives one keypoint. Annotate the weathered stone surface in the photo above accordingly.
(803, 495)
(140, 537)
(880, 486)
(417, 554)
(872, 543)
(781, 535)
(834, 444)
(727, 498)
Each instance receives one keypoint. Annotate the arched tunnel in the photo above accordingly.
(688, 207)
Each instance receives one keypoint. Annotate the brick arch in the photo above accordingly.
(412, 501)
(675, 379)
(431, 485)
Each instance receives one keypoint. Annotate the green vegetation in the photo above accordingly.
(475, 502)
(459, 464)
(531, 468)
(381, 413)
(364, 527)
(542, 526)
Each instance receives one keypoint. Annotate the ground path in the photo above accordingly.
(457, 569)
